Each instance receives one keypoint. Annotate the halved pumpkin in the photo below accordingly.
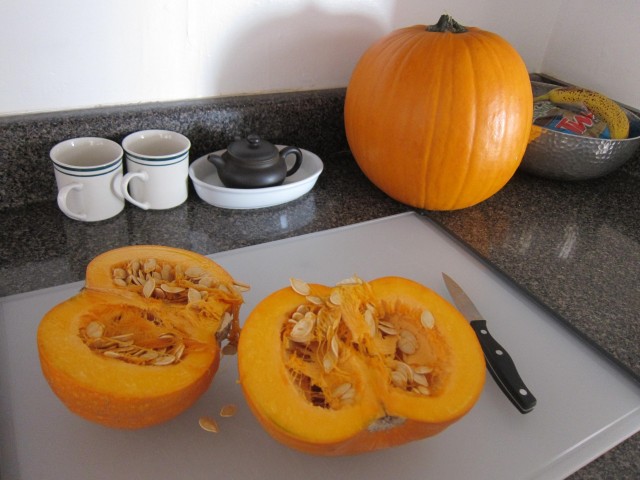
(358, 367)
(141, 342)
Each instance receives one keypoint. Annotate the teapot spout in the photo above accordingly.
(217, 160)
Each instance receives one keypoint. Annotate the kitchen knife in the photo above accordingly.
(499, 362)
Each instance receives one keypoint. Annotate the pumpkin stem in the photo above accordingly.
(447, 24)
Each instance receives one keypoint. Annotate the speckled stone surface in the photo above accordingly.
(573, 246)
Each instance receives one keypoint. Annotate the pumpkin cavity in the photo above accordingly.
(171, 281)
(136, 335)
(186, 285)
(324, 334)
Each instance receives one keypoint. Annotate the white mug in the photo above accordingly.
(88, 173)
(158, 168)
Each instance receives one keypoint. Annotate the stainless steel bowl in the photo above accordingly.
(563, 156)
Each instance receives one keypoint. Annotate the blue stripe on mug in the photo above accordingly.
(165, 158)
(157, 162)
(88, 172)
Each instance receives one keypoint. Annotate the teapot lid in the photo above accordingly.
(252, 148)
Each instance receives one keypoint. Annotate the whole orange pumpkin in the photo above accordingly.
(438, 117)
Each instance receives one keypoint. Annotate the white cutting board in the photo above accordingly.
(586, 405)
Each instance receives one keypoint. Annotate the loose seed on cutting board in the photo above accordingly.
(208, 424)
(228, 410)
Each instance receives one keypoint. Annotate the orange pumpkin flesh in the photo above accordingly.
(344, 388)
(438, 117)
(127, 357)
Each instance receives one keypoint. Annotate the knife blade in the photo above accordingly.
(499, 362)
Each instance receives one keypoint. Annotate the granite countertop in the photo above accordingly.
(573, 246)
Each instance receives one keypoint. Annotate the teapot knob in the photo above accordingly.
(254, 140)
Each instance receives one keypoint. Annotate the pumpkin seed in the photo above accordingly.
(335, 346)
(300, 287)
(335, 297)
(422, 369)
(421, 389)
(315, 300)
(427, 319)
(112, 354)
(302, 331)
(171, 288)
(407, 343)
(228, 410)
(193, 295)
(329, 361)
(208, 424)
(195, 272)
(95, 329)
(150, 265)
(149, 287)
(405, 370)
(166, 273)
(207, 282)
(178, 352)
(386, 327)
(123, 343)
(166, 359)
(101, 343)
(420, 380)
(341, 389)
(148, 355)
(120, 273)
(370, 321)
(241, 286)
(399, 379)
(225, 327)
(348, 395)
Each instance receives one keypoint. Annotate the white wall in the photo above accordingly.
(66, 54)
(596, 44)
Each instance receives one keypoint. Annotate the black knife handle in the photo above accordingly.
(503, 370)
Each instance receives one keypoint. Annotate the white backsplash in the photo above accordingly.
(70, 54)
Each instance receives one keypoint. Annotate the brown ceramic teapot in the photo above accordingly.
(254, 163)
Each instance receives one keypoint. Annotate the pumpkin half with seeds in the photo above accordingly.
(141, 341)
(358, 367)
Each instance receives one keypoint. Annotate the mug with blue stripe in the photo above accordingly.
(157, 169)
(88, 172)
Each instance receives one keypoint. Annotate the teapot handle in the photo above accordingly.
(296, 151)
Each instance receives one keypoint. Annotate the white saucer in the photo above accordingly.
(209, 188)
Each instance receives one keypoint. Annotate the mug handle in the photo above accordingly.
(296, 151)
(144, 176)
(62, 201)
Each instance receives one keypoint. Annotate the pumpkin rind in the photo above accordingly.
(381, 415)
(439, 120)
(118, 393)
